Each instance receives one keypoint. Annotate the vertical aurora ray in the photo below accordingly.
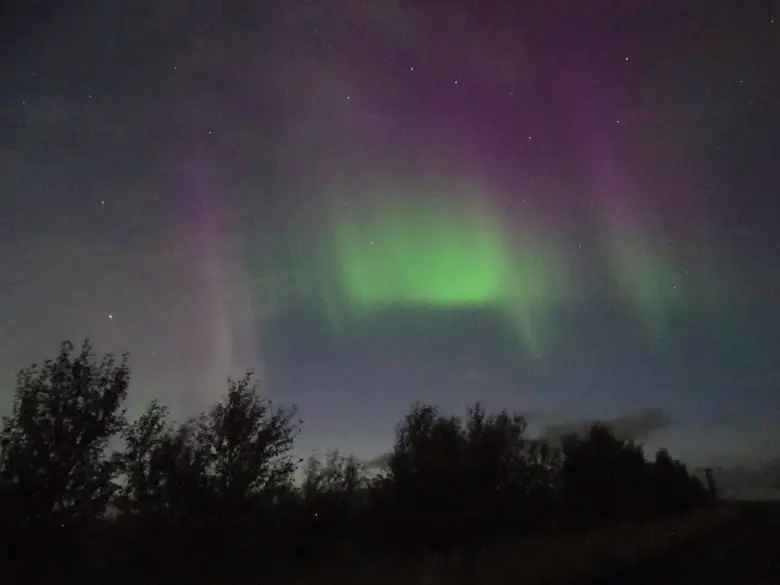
(643, 271)
(221, 290)
(220, 285)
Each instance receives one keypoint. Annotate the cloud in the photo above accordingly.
(378, 462)
(633, 426)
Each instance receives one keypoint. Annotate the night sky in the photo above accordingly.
(569, 209)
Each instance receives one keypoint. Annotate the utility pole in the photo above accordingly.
(712, 486)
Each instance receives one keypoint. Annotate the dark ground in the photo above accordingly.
(746, 552)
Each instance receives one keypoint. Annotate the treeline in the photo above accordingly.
(87, 491)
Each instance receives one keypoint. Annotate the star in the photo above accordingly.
(110, 316)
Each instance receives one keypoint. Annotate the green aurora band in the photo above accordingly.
(441, 255)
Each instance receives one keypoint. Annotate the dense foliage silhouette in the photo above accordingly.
(112, 500)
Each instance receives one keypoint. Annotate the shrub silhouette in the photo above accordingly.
(223, 482)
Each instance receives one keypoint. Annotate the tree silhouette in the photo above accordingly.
(674, 488)
(469, 478)
(206, 483)
(603, 477)
(54, 445)
(143, 480)
(498, 473)
(425, 466)
(246, 445)
(56, 471)
(164, 469)
(337, 474)
(223, 481)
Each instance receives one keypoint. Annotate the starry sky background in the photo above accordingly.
(173, 176)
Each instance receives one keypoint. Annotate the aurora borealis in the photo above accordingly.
(447, 253)
(567, 209)
(443, 249)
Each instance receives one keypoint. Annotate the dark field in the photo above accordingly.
(745, 551)
(672, 550)
(738, 546)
